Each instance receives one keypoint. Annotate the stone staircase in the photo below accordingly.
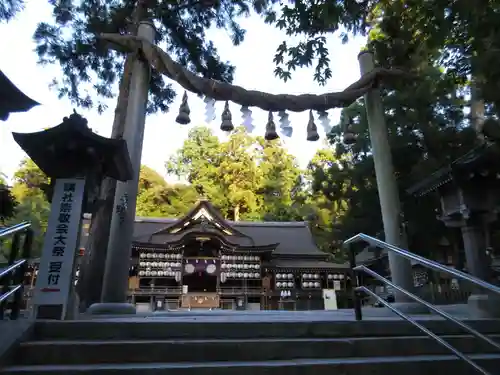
(152, 346)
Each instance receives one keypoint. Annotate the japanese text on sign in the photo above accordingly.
(61, 234)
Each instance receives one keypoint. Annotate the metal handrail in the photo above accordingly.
(12, 267)
(423, 261)
(14, 228)
(12, 277)
(430, 306)
(429, 333)
(429, 264)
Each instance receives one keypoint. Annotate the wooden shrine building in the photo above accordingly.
(205, 261)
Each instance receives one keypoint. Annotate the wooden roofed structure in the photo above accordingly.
(203, 260)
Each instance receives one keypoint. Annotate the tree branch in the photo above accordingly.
(222, 91)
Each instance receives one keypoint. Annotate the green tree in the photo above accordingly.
(156, 198)
(69, 41)
(281, 188)
(8, 202)
(246, 177)
(239, 176)
(29, 188)
(427, 130)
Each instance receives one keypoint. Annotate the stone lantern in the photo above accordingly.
(12, 99)
(468, 191)
(76, 159)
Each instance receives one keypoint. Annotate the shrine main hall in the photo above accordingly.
(205, 261)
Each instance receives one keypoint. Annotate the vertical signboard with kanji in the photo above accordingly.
(54, 281)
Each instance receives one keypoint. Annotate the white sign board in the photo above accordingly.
(330, 299)
(54, 280)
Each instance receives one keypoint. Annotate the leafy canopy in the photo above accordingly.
(88, 67)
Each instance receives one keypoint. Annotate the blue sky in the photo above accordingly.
(163, 136)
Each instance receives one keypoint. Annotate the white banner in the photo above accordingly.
(53, 283)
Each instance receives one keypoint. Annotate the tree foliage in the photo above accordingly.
(9, 9)
(28, 187)
(88, 67)
(430, 122)
(8, 202)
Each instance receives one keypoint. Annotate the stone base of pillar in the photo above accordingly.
(111, 309)
(484, 306)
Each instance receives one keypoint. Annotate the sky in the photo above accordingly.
(163, 136)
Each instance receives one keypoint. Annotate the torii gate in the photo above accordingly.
(151, 56)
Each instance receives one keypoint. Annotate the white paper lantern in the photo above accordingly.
(148, 273)
(142, 273)
(245, 266)
(245, 275)
(290, 285)
(256, 275)
(317, 284)
(341, 277)
(240, 274)
(155, 255)
(142, 255)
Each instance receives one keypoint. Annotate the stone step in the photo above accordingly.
(140, 351)
(151, 329)
(416, 365)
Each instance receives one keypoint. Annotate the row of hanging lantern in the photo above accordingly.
(250, 258)
(311, 284)
(160, 273)
(315, 276)
(284, 276)
(285, 284)
(291, 284)
(160, 255)
(239, 275)
(247, 120)
(335, 276)
(160, 264)
(238, 266)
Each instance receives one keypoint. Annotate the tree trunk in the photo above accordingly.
(477, 109)
(236, 213)
(94, 260)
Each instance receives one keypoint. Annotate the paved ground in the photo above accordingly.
(458, 311)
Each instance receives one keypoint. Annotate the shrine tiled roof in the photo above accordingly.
(484, 156)
(292, 239)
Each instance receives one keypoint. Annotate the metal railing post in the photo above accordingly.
(19, 274)
(7, 279)
(354, 283)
